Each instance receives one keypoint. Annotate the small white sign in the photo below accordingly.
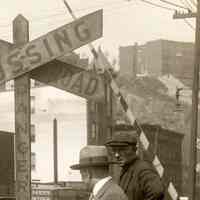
(198, 143)
(198, 167)
(183, 198)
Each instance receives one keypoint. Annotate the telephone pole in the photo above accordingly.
(195, 92)
(55, 150)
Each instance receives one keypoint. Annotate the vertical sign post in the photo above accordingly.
(22, 117)
(55, 150)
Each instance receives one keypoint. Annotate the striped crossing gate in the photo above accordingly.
(102, 65)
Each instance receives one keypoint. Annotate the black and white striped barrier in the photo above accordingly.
(143, 139)
(101, 62)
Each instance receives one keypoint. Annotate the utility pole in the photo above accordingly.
(55, 150)
(195, 92)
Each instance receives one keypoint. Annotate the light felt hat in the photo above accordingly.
(92, 156)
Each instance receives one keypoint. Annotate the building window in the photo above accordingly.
(94, 130)
(32, 83)
(9, 85)
(92, 106)
(32, 132)
(108, 101)
(109, 133)
(33, 161)
(32, 104)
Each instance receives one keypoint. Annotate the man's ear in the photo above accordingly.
(134, 147)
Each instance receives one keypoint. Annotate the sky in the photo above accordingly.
(124, 22)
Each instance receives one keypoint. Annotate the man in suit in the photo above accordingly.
(94, 169)
(138, 178)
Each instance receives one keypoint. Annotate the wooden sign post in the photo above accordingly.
(22, 118)
(19, 62)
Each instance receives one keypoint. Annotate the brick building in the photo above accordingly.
(128, 60)
(169, 57)
(158, 57)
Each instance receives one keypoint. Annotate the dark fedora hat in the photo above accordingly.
(92, 156)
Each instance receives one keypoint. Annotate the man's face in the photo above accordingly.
(85, 175)
(123, 154)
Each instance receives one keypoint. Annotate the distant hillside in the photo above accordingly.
(153, 101)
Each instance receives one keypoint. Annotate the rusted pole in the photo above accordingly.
(22, 117)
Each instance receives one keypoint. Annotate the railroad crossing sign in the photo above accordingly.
(70, 78)
(50, 46)
(61, 74)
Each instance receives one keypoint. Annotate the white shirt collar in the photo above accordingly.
(100, 184)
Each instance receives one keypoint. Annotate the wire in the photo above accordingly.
(191, 8)
(107, 12)
(62, 21)
(190, 25)
(169, 3)
(193, 3)
(157, 5)
(173, 4)
(182, 77)
(116, 10)
(111, 4)
(185, 3)
(63, 12)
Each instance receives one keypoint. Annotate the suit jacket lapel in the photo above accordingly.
(125, 179)
(127, 175)
(103, 190)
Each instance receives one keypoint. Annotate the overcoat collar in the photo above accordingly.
(127, 172)
(101, 192)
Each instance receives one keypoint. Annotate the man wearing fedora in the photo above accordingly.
(138, 178)
(94, 169)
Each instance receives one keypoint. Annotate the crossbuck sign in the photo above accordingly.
(50, 46)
